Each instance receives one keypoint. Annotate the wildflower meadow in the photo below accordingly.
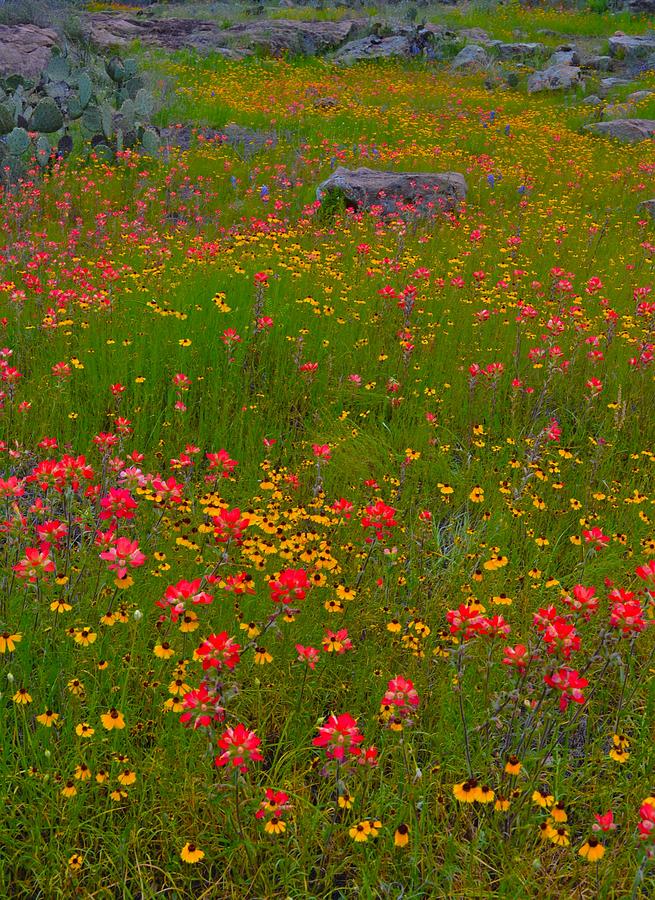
(327, 550)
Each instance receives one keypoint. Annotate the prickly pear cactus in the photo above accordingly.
(47, 117)
(18, 141)
(112, 112)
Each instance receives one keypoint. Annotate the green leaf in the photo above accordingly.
(18, 140)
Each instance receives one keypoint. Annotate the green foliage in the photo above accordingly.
(6, 119)
(47, 117)
(18, 140)
(110, 119)
(85, 87)
(43, 150)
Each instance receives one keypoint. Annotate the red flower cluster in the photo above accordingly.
(379, 518)
(340, 736)
(218, 651)
(289, 586)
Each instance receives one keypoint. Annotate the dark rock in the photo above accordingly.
(278, 36)
(648, 206)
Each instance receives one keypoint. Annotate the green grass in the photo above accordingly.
(131, 259)
(513, 21)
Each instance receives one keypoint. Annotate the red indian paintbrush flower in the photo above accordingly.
(202, 707)
(517, 657)
(122, 554)
(219, 650)
(177, 595)
(647, 824)
(629, 617)
(570, 684)
(289, 586)
(229, 525)
(221, 461)
(380, 519)
(464, 621)
(239, 746)
(118, 504)
(340, 736)
(401, 692)
(36, 563)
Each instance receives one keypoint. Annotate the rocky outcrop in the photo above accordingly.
(631, 49)
(476, 36)
(564, 56)
(406, 43)
(25, 49)
(600, 63)
(247, 141)
(641, 7)
(648, 206)
(278, 36)
(420, 192)
(520, 51)
(274, 36)
(627, 131)
(555, 78)
(471, 59)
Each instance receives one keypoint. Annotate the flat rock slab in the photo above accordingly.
(25, 49)
(275, 37)
(628, 131)
(420, 192)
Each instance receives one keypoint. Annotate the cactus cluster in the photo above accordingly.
(106, 109)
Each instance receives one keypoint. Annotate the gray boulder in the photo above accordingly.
(600, 63)
(606, 85)
(406, 43)
(519, 51)
(592, 100)
(472, 58)
(278, 36)
(564, 56)
(476, 36)
(648, 206)
(638, 96)
(25, 49)
(627, 131)
(555, 78)
(631, 48)
(422, 192)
